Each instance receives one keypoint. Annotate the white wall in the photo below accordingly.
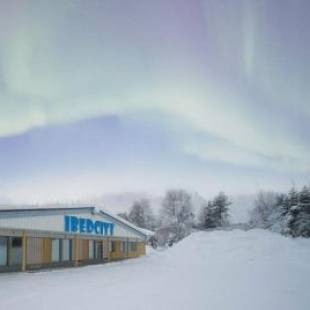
(55, 222)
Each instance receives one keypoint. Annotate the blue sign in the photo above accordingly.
(75, 224)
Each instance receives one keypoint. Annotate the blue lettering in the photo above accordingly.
(97, 227)
(67, 223)
(89, 226)
(106, 227)
(112, 229)
(82, 223)
(74, 223)
(101, 227)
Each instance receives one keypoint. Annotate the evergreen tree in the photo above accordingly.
(284, 204)
(220, 209)
(207, 216)
(293, 197)
(304, 196)
(293, 211)
(214, 214)
(288, 214)
(299, 223)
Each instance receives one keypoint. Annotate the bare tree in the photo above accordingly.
(142, 215)
(176, 214)
(264, 208)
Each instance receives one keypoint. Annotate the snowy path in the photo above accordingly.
(217, 270)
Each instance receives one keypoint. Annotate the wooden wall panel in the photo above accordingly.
(80, 249)
(117, 253)
(141, 248)
(75, 249)
(47, 250)
(84, 247)
(35, 250)
(105, 249)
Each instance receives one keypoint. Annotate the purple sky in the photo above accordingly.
(110, 96)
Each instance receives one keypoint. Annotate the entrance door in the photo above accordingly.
(98, 249)
(15, 251)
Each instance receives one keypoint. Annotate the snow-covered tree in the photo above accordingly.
(304, 196)
(285, 213)
(142, 215)
(293, 197)
(299, 214)
(215, 213)
(264, 207)
(221, 205)
(176, 213)
(206, 218)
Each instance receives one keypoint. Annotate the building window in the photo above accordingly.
(16, 242)
(123, 246)
(113, 246)
(66, 250)
(133, 246)
(98, 249)
(3, 251)
(91, 249)
(55, 250)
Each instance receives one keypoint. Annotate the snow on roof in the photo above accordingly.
(145, 232)
(26, 207)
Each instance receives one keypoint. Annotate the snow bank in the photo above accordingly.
(208, 270)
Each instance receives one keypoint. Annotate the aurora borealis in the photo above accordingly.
(111, 96)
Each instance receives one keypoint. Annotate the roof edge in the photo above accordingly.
(91, 208)
(128, 225)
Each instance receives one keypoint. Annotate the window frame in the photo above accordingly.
(59, 250)
(62, 252)
(6, 254)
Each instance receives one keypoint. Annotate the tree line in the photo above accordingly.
(287, 213)
(176, 217)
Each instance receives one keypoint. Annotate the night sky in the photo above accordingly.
(119, 96)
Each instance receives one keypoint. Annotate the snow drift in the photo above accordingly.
(222, 270)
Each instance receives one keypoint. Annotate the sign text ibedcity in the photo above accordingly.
(75, 224)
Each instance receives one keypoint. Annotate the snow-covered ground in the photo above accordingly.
(208, 270)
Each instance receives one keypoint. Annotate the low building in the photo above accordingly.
(35, 238)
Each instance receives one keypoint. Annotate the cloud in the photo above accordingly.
(54, 72)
